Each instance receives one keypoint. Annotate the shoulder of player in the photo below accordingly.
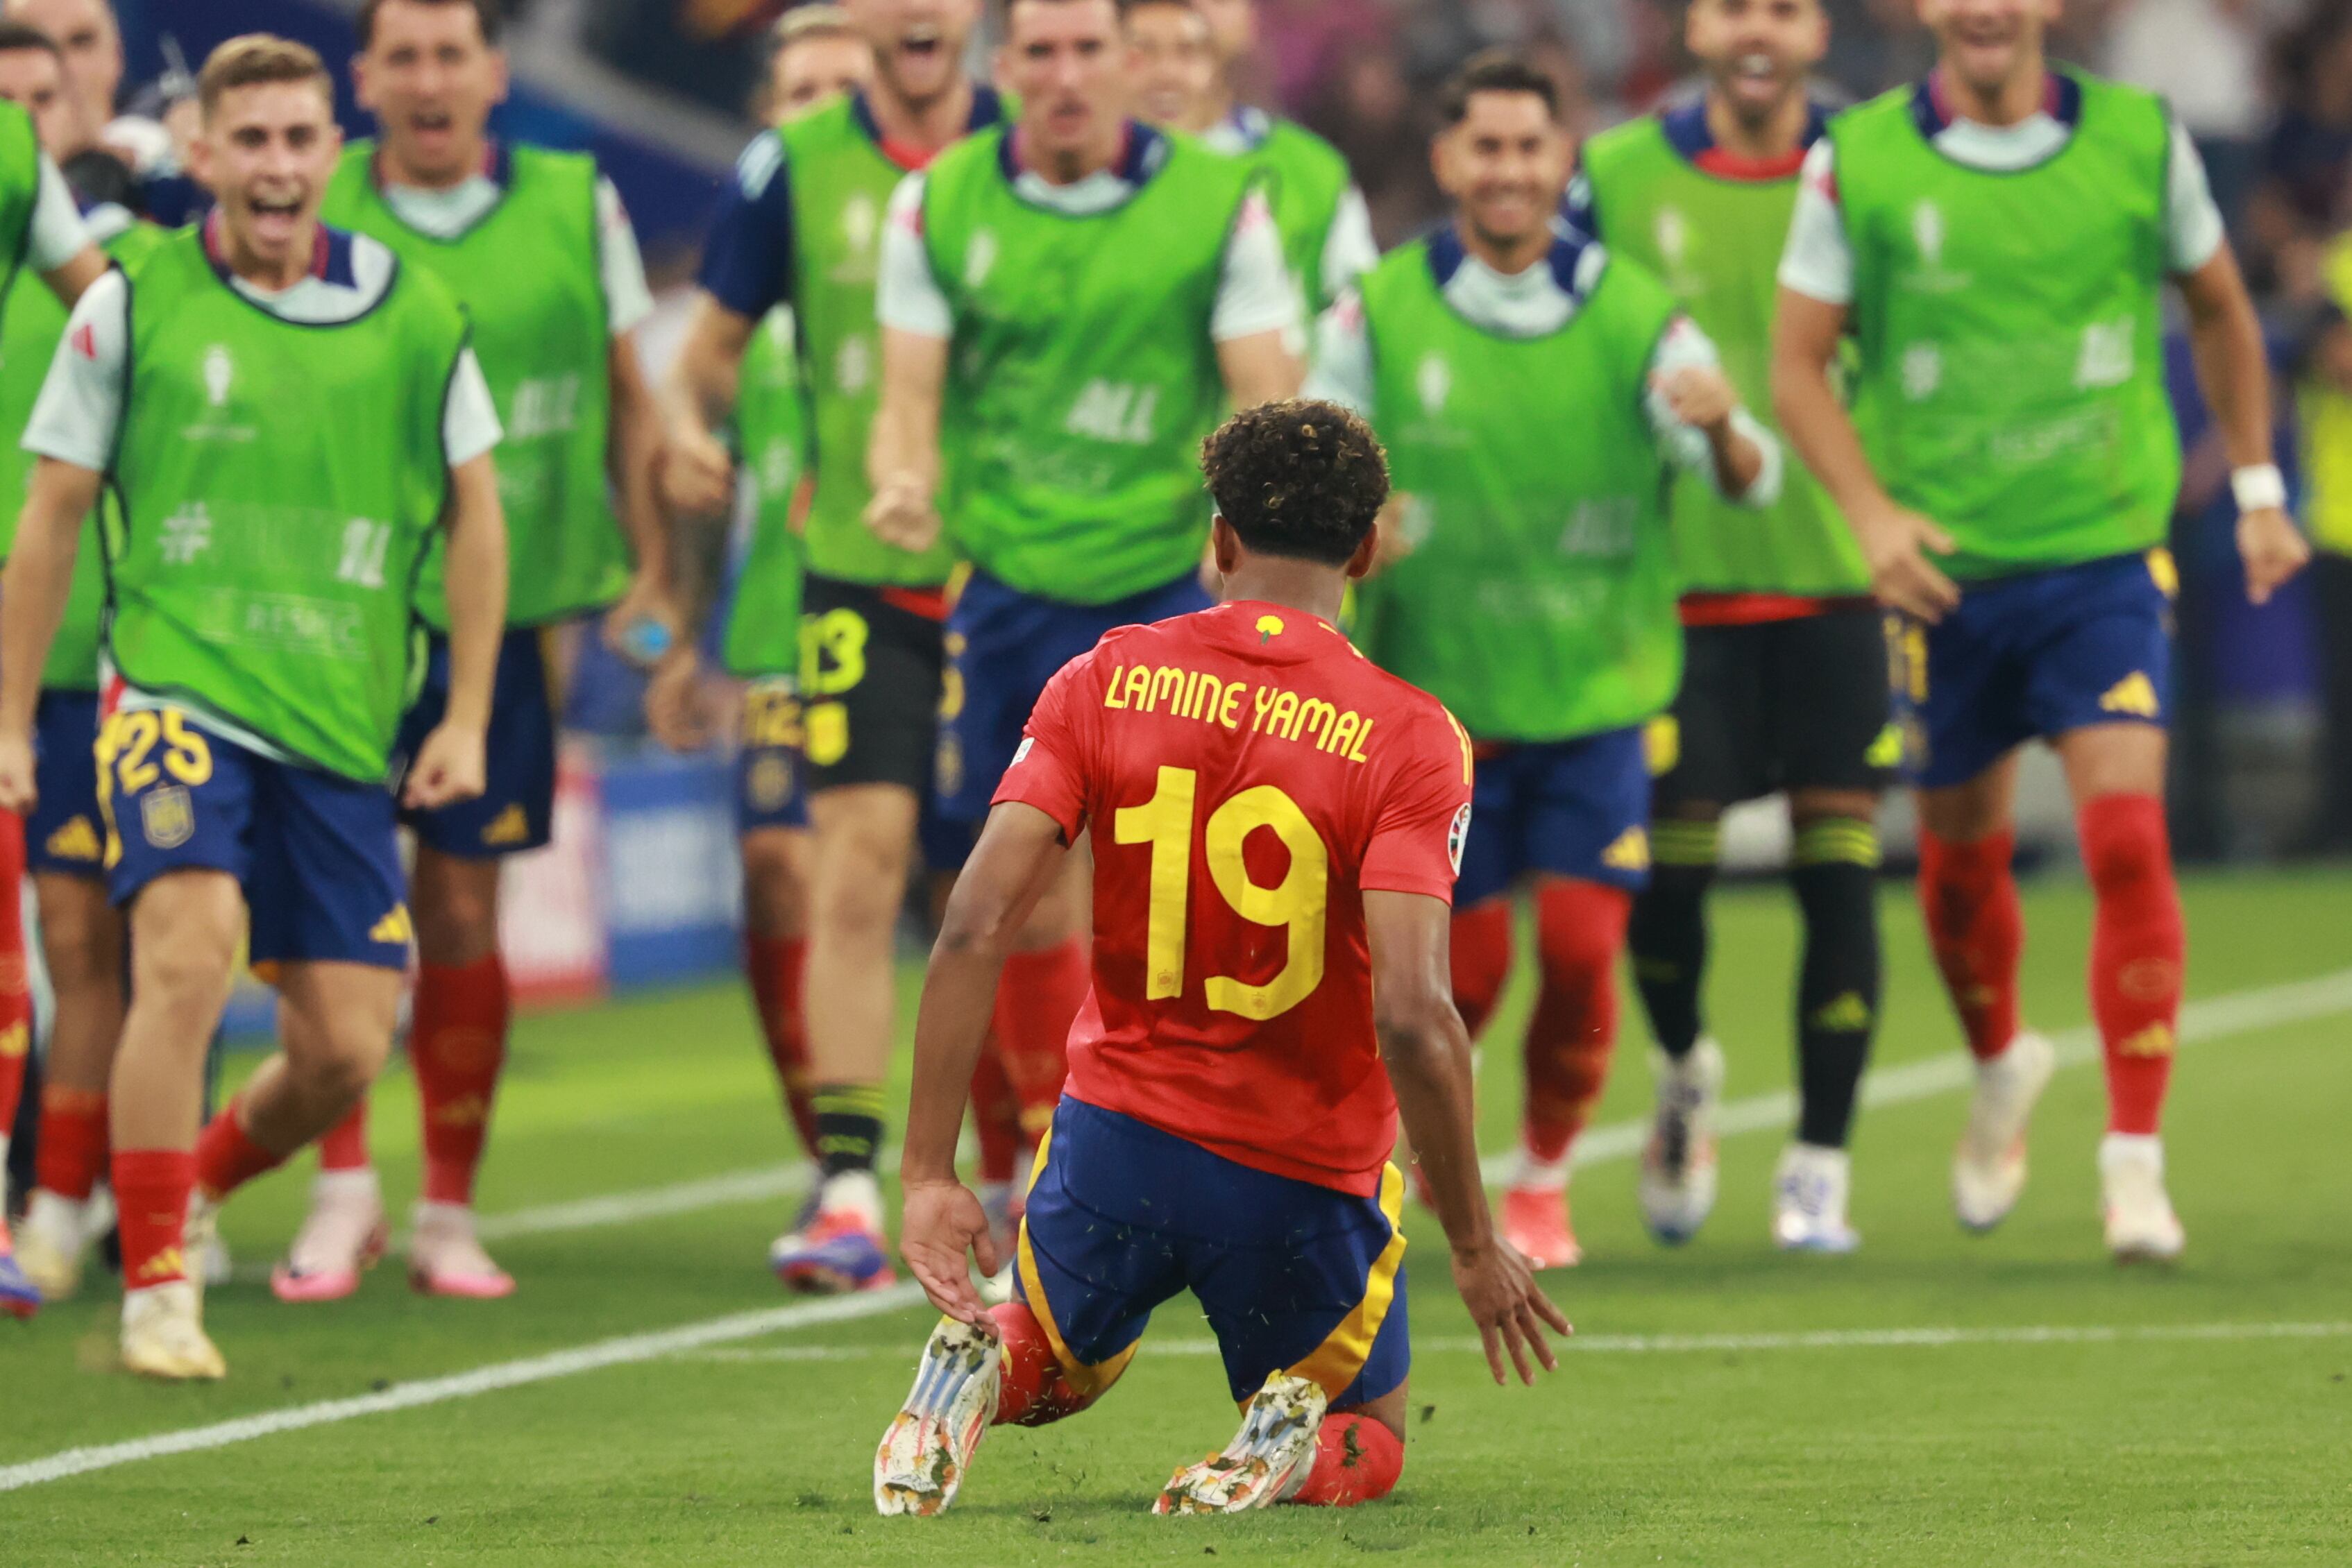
(1289, 139)
(1602, 150)
(1894, 103)
(1425, 725)
(527, 161)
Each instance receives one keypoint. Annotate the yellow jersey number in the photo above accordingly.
(1298, 903)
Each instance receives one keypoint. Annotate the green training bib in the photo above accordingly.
(764, 626)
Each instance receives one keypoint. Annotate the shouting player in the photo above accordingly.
(1066, 307)
(1182, 56)
(1275, 826)
(535, 245)
(804, 226)
(81, 932)
(1784, 688)
(1535, 393)
(287, 415)
(1996, 238)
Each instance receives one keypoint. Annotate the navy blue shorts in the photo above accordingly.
(2032, 656)
(770, 787)
(317, 855)
(515, 810)
(1003, 646)
(1294, 1277)
(64, 835)
(1563, 808)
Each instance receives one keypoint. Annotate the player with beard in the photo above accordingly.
(861, 683)
(1784, 688)
(1995, 240)
(1537, 392)
(1184, 56)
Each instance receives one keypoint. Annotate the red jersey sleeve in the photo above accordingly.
(1422, 814)
(1050, 766)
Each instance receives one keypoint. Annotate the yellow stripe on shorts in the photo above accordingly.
(1338, 1360)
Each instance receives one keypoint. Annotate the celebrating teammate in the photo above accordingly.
(1784, 688)
(261, 602)
(536, 247)
(81, 932)
(1535, 391)
(1182, 56)
(802, 227)
(1067, 305)
(1996, 237)
(1276, 827)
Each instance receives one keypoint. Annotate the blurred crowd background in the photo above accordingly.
(663, 90)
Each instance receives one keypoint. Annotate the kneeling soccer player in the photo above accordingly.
(1275, 823)
(285, 414)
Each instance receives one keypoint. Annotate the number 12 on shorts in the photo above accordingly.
(1297, 903)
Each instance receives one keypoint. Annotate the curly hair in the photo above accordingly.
(1297, 478)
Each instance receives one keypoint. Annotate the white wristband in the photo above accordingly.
(2259, 487)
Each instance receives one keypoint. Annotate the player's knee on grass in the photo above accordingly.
(1358, 1455)
(1036, 1390)
(454, 903)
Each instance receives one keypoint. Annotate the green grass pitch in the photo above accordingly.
(1727, 1405)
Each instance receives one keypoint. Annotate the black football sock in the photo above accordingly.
(1835, 877)
(848, 1126)
(1667, 934)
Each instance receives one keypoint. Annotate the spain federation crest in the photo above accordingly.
(167, 816)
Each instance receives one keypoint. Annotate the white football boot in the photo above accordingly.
(1989, 1167)
(1268, 1459)
(164, 1335)
(52, 1241)
(342, 1236)
(927, 1450)
(1809, 1194)
(446, 1258)
(1677, 1179)
(2141, 1225)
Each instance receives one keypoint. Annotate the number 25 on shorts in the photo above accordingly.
(1296, 902)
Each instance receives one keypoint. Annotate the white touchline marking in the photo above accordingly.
(619, 1352)
(1653, 1345)
(2214, 1019)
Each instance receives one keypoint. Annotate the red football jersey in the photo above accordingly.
(1245, 775)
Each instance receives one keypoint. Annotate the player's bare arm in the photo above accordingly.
(450, 766)
(32, 602)
(1896, 541)
(1703, 397)
(2226, 339)
(902, 462)
(1258, 369)
(633, 458)
(697, 475)
(1428, 1054)
(1019, 854)
(87, 266)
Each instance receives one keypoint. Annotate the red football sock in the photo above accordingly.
(70, 1150)
(151, 1194)
(457, 1041)
(1968, 895)
(776, 966)
(995, 1116)
(1481, 941)
(1036, 1001)
(2137, 947)
(1579, 931)
(228, 1158)
(344, 1145)
(1357, 1459)
(1034, 1392)
(15, 998)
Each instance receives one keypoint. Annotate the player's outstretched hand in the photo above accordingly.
(448, 768)
(1896, 543)
(697, 475)
(1510, 1310)
(942, 1225)
(2273, 549)
(16, 791)
(901, 514)
(1701, 396)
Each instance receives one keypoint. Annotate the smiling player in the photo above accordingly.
(1275, 826)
